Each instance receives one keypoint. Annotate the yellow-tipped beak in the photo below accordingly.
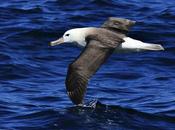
(57, 42)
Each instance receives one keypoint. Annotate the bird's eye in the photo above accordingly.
(67, 34)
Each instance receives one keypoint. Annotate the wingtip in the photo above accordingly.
(155, 47)
(161, 48)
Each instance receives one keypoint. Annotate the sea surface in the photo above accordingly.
(132, 91)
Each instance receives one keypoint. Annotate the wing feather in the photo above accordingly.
(89, 61)
(118, 24)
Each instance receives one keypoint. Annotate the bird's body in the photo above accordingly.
(99, 44)
(128, 44)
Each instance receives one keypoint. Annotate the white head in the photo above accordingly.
(72, 36)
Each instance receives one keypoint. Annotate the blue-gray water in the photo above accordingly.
(134, 90)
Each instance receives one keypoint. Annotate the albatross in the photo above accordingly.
(99, 43)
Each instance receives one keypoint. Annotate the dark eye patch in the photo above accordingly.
(67, 34)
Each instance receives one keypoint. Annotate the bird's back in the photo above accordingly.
(104, 36)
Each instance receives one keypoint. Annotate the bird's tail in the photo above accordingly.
(132, 44)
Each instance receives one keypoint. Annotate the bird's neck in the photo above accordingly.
(82, 35)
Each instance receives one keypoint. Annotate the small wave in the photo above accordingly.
(4, 113)
(142, 9)
(26, 11)
(15, 71)
(165, 61)
(65, 2)
(39, 33)
(5, 57)
(37, 115)
(117, 115)
(45, 99)
(103, 3)
(162, 78)
(124, 76)
(167, 14)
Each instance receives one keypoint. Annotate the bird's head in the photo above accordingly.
(71, 36)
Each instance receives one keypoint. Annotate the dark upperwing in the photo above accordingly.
(99, 47)
(118, 25)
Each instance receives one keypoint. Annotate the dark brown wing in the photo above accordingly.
(89, 61)
(118, 24)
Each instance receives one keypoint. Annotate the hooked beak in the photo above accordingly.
(57, 42)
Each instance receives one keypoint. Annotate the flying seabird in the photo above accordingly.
(99, 44)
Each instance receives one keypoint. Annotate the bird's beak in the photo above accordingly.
(57, 42)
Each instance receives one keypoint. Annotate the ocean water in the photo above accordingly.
(134, 91)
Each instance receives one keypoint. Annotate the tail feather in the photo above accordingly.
(137, 45)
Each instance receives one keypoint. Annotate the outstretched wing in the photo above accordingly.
(89, 61)
(118, 24)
